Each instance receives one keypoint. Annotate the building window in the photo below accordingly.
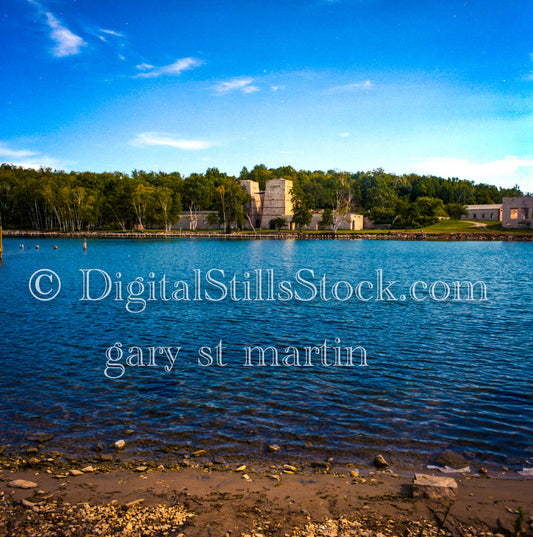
(525, 213)
(483, 216)
(514, 214)
(475, 216)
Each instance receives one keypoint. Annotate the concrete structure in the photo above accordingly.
(277, 201)
(195, 220)
(483, 212)
(255, 207)
(349, 221)
(518, 212)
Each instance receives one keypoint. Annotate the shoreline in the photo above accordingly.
(212, 498)
(507, 236)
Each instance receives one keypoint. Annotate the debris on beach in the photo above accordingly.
(380, 463)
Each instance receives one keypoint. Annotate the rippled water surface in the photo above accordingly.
(440, 374)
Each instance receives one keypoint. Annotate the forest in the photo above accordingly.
(47, 199)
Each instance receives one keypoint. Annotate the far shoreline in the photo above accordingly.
(400, 235)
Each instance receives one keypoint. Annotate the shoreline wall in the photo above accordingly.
(393, 235)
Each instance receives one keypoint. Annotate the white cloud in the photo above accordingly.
(13, 153)
(173, 69)
(67, 43)
(159, 139)
(26, 158)
(344, 134)
(242, 84)
(354, 86)
(505, 172)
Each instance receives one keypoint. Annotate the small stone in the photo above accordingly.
(241, 468)
(40, 437)
(160, 467)
(106, 458)
(451, 460)
(141, 468)
(246, 476)
(434, 487)
(354, 473)
(34, 461)
(199, 453)
(219, 460)
(30, 505)
(88, 469)
(21, 484)
(120, 444)
(321, 464)
(32, 451)
(273, 448)
(135, 502)
(290, 468)
(380, 463)
(483, 471)
(130, 431)
(76, 472)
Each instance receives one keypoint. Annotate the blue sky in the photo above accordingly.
(442, 87)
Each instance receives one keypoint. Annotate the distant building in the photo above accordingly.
(518, 212)
(483, 212)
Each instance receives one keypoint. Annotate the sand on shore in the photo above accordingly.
(274, 501)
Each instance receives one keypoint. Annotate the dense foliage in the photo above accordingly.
(56, 200)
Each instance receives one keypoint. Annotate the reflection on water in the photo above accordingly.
(440, 374)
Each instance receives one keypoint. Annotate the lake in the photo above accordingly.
(164, 338)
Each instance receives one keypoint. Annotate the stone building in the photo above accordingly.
(483, 212)
(518, 212)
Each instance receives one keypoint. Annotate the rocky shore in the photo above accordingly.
(45, 493)
(389, 235)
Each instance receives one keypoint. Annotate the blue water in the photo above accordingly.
(440, 374)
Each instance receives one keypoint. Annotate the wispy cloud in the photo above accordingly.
(104, 34)
(242, 84)
(354, 86)
(160, 139)
(344, 134)
(173, 69)
(66, 42)
(26, 158)
(506, 171)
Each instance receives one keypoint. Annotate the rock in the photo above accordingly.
(451, 460)
(106, 458)
(98, 448)
(34, 461)
(219, 460)
(30, 505)
(290, 468)
(76, 472)
(141, 468)
(40, 437)
(130, 431)
(380, 463)
(88, 469)
(161, 467)
(120, 444)
(247, 477)
(241, 468)
(483, 471)
(273, 448)
(354, 473)
(135, 502)
(321, 464)
(21, 484)
(32, 451)
(434, 487)
(199, 453)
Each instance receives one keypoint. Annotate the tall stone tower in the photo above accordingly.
(277, 201)
(255, 207)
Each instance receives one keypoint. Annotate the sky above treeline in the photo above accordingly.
(429, 87)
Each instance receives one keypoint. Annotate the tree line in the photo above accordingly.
(47, 199)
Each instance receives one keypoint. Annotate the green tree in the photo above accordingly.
(278, 223)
